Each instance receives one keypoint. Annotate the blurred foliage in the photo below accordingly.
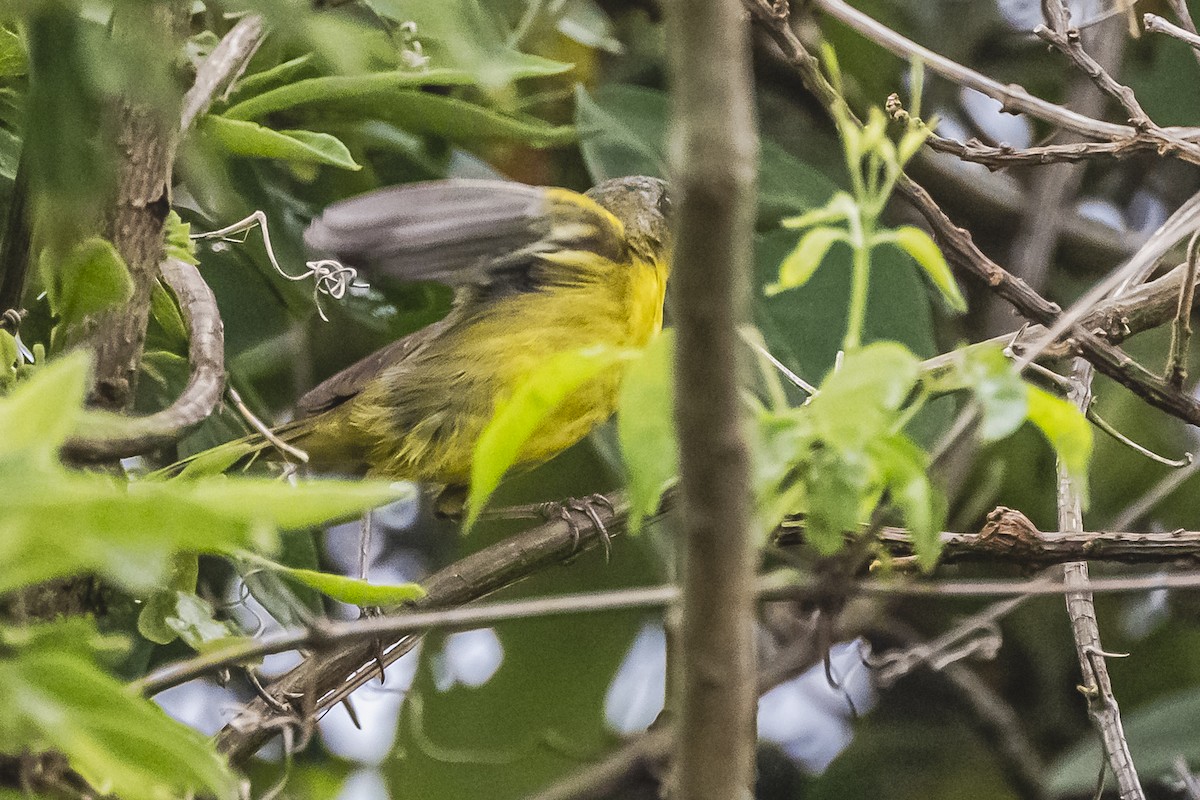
(341, 100)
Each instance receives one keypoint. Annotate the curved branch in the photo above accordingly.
(115, 436)
(224, 65)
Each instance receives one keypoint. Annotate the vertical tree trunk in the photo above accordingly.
(714, 146)
(146, 139)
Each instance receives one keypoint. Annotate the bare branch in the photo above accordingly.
(328, 676)
(1181, 329)
(1081, 608)
(224, 65)
(114, 436)
(1014, 99)
(1156, 24)
(962, 250)
(1003, 156)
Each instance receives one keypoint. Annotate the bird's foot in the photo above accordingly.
(589, 506)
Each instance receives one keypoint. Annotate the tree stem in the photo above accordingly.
(715, 144)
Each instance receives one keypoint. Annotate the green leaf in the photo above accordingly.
(58, 522)
(462, 33)
(1002, 395)
(839, 207)
(585, 22)
(905, 477)
(517, 417)
(278, 75)
(311, 503)
(1065, 427)
(457, 120)
(171, 614)
(921, 247)
(53, 698)
(622, 131)
(803, 261)
(646, 428)
(241, 138)
(835, 485)
(42, 412)
(859, 401)
(165, 312)
(12, 54)
(610, 144)
(92, 278)
(180, 244)
(353, 591)
(368, 88)
(9, 352)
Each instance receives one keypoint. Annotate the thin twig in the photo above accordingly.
(1054, 188)
(1003, 156)
(1018, 758)
(1061, 35)
(1094, 417)
(1013, 98)
(328, 676)
(1170, 482)
(263, 429)
(1181, 328)
(961, 249)
(1156, 24)
(1081, 608)
(108, 436)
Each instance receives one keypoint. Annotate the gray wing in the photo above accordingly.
(449, 231)
(338, 388)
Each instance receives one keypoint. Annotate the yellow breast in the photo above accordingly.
(421, 419)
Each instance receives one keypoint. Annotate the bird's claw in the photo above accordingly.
(562, 509)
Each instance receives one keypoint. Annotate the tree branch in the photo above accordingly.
(146, 140)
(107, 436)
(1081, 608)
(715, 139)
(1013, 98)
(961, 249)
(326, 677)
(224, 65)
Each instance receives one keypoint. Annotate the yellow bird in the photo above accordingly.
(537, 271)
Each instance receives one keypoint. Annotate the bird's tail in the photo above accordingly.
(236, 453)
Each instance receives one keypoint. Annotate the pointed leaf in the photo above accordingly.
(518, 417)
(353, 591)
(92, 278)
(42, 412)
(242, 138)
(918, 244)
(1065, 427)
(646, 428)
(803, 261)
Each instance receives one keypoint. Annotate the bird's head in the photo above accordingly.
(642, 205)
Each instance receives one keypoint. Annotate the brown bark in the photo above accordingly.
(715, 146)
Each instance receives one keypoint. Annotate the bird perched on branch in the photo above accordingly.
(537, 271)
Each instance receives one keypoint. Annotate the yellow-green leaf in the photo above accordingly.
(517, 417)
(803, 261)
(918, 244)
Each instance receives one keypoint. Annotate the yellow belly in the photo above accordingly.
(420, 419)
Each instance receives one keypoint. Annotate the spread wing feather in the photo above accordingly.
(495, 237)
(460, 232)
